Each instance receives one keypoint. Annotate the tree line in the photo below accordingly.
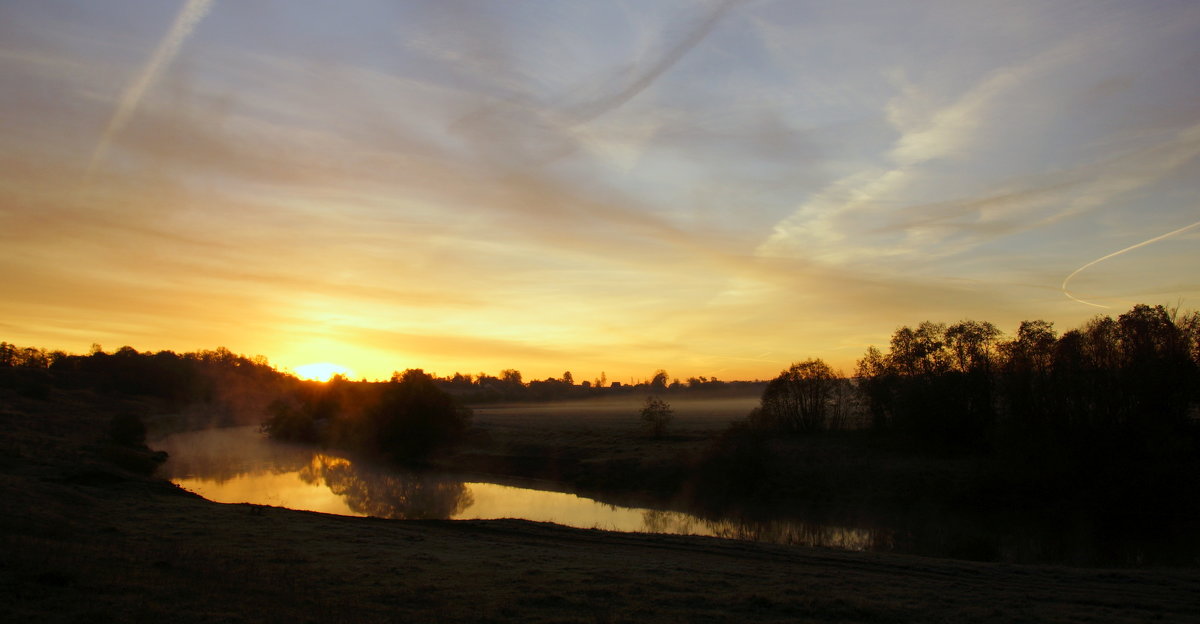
(406, 418)
(509, 385)
(1132, 382)
(218, 378)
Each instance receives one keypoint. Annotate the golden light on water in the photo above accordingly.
(322, 371)
(287, 489)
(239, 465)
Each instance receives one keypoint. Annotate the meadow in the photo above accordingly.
(88, 539)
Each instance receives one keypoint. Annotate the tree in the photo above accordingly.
(877, 381)
(800, 398)
(657, 414)
(1157, 368)
(921, 351)
(1033, 349)
(414, 418)
(659, 381)
(1029, 359)
(971, 345)
(511, 377)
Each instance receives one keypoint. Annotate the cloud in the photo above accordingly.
(189, 16)
(899, 212)
(940, 134)
(651, 71)
(642, 183)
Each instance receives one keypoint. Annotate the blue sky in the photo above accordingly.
(717, 188)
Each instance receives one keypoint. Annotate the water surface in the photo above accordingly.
(240, 465)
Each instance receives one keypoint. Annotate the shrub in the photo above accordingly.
(657, 415)
(414, 418)
(127, 430)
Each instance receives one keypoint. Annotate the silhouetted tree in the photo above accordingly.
(1157, 368)
(8, 354)
(1116, 388)
(657, 414)
(920, 352)
(876, 381)
(800, 399)
(972, 345)
(290, 420)
(413, 418)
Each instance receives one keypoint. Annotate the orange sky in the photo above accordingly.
(716, 189)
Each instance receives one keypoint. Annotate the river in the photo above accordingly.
(240, 465)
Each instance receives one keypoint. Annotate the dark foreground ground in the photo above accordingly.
(86, 540)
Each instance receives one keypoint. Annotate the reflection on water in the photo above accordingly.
(370, 491)
(239, 465)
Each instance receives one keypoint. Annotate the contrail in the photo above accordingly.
(1114, 254)
(673, 55)
(189, 16)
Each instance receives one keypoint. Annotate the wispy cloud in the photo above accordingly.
(648, 183)
(641, 78)
(896, 212)
(868, 195)
(189, 16)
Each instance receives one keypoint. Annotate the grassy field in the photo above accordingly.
(600, 447)
(86, 540)
(964, 506)
(597, 446)
(695, 414)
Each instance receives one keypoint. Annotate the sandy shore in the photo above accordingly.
(86, 541)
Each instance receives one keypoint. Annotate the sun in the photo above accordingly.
(322, 371)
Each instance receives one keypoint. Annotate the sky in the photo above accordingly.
(712, 188)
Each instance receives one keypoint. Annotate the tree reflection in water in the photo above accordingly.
(783, 531)
(388, 493)
(802, 533)
(238, 465)
(220, 458)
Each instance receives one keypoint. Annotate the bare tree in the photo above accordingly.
(800, 398)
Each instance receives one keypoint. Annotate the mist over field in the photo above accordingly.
(701, 414)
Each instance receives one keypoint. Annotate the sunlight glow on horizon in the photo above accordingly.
(713, 188)
(323, 371)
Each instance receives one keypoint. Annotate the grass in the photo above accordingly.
(85, 540)
(966, 506)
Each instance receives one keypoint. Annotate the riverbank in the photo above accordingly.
(89, 540)
(971, 506)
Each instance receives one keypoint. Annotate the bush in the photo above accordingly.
(127, 430)
(657, 415)
(414, 419)
(290, 421)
